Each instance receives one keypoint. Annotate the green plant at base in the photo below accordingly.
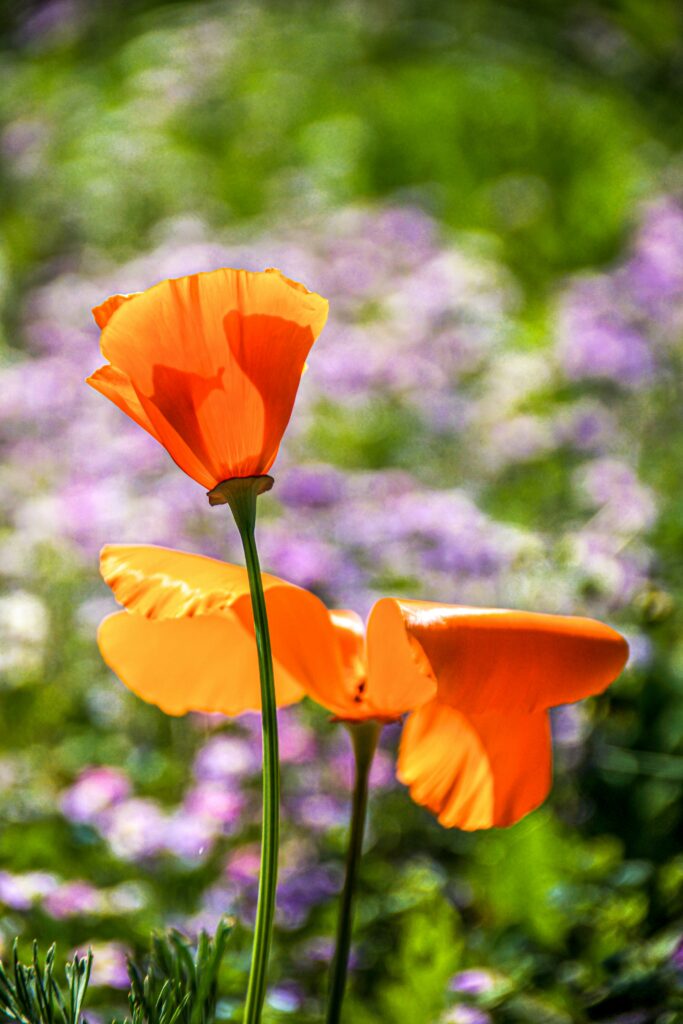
(30, 994)
(179, 985)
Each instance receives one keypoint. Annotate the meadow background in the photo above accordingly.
(491, 196)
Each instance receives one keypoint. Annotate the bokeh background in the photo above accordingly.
(491, 196)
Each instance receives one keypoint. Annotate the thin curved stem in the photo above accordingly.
(364, 736)
(242, 500)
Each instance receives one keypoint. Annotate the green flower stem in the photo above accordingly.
(364, 736)
(241, 494)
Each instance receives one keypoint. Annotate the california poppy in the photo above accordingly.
(476, 683)
(210, 365)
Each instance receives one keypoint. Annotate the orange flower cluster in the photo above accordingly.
(476, 682)
(210, 365)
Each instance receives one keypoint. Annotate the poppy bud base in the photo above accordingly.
(228, 492)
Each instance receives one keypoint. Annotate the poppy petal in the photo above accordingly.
(216, 360)
(400, 677)
(105, 311)
(337, 689)
(115, 386)
(476, 771)
(161, 584)
(489, 659)
(207, 663)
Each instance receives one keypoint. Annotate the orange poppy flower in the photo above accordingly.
(476, 683)
(210, 365)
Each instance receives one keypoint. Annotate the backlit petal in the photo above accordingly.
(216, 360)
(104, 312)
(161, 583)
(338, 690)
(487, 659)
(207, 663)
(476, 771)
(115, 386)
(399, 676)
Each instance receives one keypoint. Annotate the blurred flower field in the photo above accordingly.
(492, 416)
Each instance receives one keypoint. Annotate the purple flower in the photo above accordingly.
(654, 274)
(311, 487)
(20, 892)
(134, 828)
(243, 865)
(627, 505)
(225, 758)
(109, 966)
(95, 790)
(319, 811)
(286, 997)
(568, 725)
(73, 899)
(215, 803)
(297, 742)
(473, 982)
(300, 891)
(190, 836)
(595, 340)
(466, 1015)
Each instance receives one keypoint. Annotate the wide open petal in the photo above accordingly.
(488, 659)
(208, 663)
(161, 584)
(476, 771)
(216, 361)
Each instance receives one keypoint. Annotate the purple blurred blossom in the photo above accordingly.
(297, 741)
(382, 771)
(243, 865)
(654, 274)
(20, 892)
(73, 899)
(215, 803)
(134, 828)
(190, 836)
(225, 758)
(595, 340)
(627, 505)
(311, 486)
(109, 967)
(586, 426)
(466, 1015)
(519, 439)
(286, 997)
(568, 725)
(321, 950)
(319, 811)
(94, 790)
(300, 891)
(474, 982)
